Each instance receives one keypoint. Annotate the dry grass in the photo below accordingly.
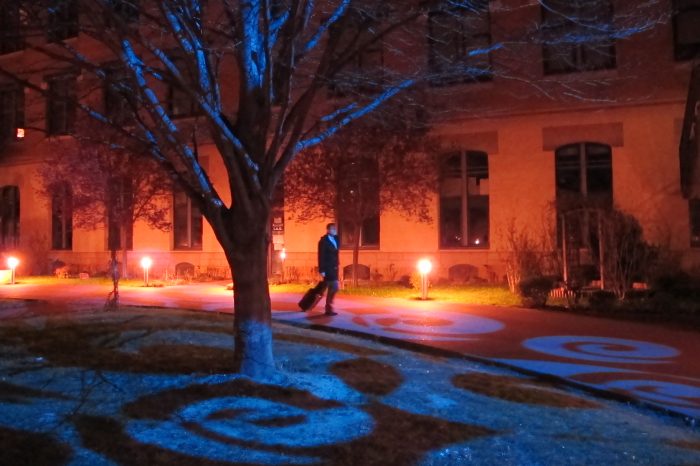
(519, 390)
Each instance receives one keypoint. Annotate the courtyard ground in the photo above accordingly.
(152, 386)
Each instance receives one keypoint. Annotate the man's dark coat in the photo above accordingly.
(328, 258)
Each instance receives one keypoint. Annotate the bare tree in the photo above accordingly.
(277, 58)
(102, 182)
(382, 163)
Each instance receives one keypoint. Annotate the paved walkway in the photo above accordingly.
(650, 362)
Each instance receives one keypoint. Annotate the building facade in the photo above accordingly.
(597, 119)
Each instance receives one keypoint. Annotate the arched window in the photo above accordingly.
(464, 200)
(584, 179)
(62, 217)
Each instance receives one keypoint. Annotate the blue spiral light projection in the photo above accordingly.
(602, 349)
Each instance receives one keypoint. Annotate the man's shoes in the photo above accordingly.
(330, 313)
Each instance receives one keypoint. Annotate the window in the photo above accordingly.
(686, 29)
(187, 222)
(464, 200)
(11, 39)
(358, 203)
(694, 208)
(60, 111)
(120, 204)
(361, 55)
(11, 112)
(62, 218)
(9, 217)
(126, 11)
(117, 92)
(458, 41)
(63, 20)
(584, 179)
(181, 103)
(577, 35)
(369, 233)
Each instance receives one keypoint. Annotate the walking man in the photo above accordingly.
(328, 264)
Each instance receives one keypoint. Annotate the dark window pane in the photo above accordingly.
(694, 207)
(458, 200)
(478, 221)
(9, 217)
(599, 166)
(370, 232)
(575, 36)
(120, 205)
(62, 20)
(686, 25)
(62, 219)
(187, 222)
(11, 112)
(458, 41)
(450, 222)
(117, 93)
(11, 37)
(568, 169)
(61, 105)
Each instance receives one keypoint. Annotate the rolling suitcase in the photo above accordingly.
(312, 297)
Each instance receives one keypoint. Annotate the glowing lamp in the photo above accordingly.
(146, 264)
(283, 254)
(424, 268)
(20, 133)
(12, 263)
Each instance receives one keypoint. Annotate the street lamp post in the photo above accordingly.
(283, 256)
(146, 264)
(12, 263)
(424, 268)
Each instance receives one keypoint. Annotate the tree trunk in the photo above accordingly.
(251, 295)
(355, 252)
(125, 248)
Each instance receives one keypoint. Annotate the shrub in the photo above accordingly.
(602, 300)
(535, 290)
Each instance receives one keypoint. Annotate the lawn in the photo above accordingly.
(473, 294)
(148, 386)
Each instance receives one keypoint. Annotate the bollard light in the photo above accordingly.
(424, 268)
(12, 263)
(146, 264)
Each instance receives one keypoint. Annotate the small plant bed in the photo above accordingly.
(659, 308)
(154, 387)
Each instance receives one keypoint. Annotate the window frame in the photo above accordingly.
(694, 222)
(553, 28)
(466, 224)
(11, 115)
(582, 198)
(11, 29)
(62, 218)
(463, 40)
(63, 21)
(683, 52)
(61, 104)
(189, 228)
(10, 224)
